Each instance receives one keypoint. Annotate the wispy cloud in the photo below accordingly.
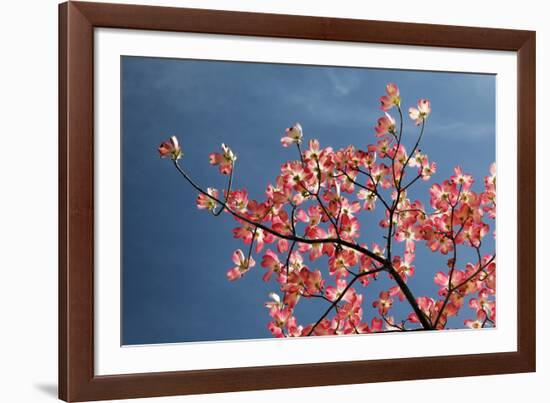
(462, 129)
(343, 84)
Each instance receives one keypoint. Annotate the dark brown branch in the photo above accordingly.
(337, 300)
(414, 180)
(473, 275)
(401, 328)
(395, 182)
(410, 299)
(374, 191)
(451, 272)
(450, 289)
(412, 152)
(426, 323)
(217, 213)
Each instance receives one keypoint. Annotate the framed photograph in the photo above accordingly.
(257, 201)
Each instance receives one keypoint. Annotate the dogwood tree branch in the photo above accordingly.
(323, 177)
(263, 227)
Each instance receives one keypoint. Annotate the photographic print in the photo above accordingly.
(268, 200)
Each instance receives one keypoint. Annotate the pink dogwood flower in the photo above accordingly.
(473, 324)
(391, 98)
(223, 160)
(383, 303)
(207, 203)
(170, 148)
(242, 265)
(385, 125)
(271, 262)
(462, 179)
(421, 112)
(293, 135)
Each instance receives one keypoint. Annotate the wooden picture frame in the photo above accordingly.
(77, 381)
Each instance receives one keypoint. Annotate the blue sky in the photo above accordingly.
(175, 257)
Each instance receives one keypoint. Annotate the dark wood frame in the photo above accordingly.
(77, 21)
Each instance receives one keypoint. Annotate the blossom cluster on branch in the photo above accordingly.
(313, 208)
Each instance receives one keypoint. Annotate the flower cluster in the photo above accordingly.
(313, 208)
